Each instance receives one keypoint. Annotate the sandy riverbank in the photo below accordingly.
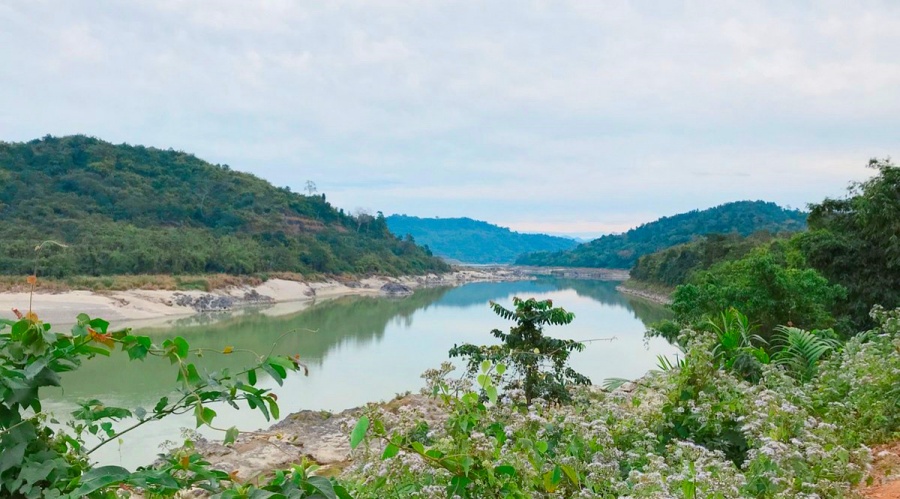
(142, 307)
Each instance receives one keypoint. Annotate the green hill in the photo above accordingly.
(623, 250)
(125, 209)
(473, 241)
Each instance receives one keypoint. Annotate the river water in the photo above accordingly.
(358, 350)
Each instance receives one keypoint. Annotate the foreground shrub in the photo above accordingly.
(699, 428)
(859, 389)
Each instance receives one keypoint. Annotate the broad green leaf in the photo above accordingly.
(323, 486)
(390, 451)
(98, 478)
(182, 347)
(491, 393)
(230, 435)
(359, 432)
(100, 325)
(505, 470)
(204, 415)
(571, 474)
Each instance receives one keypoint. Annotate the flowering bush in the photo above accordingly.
(694, 431)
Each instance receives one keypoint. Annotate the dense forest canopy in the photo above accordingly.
(673, 266)
(623, 250)
(829, 276)
(473, 241)
(125, 209)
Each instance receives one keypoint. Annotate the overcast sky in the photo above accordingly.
(566, 117)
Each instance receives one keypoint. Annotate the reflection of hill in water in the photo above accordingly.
(601, 291)
(605, 293)
(480, 293)
(312, 333)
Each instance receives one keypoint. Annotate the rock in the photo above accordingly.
(253, 296)
(204, 303)
(396, 289)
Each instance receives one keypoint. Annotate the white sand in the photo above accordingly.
(141, 307)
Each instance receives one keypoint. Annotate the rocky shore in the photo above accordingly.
(141, 307)
(656, 296)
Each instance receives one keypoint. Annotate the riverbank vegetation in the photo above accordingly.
(122, 209)
(826, 277)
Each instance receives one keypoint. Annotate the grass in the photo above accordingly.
(141, 281)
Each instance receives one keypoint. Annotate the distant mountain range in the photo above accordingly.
(623, 250)
(473, 241)
(123, 209)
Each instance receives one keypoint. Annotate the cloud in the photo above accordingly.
(539, 115)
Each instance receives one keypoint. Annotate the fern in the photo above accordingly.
(800, 350)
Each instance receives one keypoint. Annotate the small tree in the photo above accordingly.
(538, 363)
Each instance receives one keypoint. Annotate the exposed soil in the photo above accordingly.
(885, 476)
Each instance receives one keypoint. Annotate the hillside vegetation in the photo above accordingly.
(125, 209)
(623, 250)
(473, 241)
(673, 266)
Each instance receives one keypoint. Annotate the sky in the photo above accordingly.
(580, 118)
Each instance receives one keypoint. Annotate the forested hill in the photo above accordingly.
(473, 241)
(623, 250)
(125, 209)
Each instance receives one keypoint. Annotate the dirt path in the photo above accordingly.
(885, 473)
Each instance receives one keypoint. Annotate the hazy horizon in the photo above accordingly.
(564, 118)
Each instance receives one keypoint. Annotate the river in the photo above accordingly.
(358, 350)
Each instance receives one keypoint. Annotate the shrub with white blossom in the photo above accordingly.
(694, 431)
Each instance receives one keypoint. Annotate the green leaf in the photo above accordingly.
(552, 479)
(100, 325)
(571, 474)
(251, 377)
(323, 486)
(505, 470)
(491, 393)
(500, 368)
(273, 407)
(342, 492)
(390, 451)
(193, 377)
(12, 457)
(276, 372)
(98, 478)
(359, 432)
(230, 435)
(161, 405)
(181, 346)
(204, 415)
